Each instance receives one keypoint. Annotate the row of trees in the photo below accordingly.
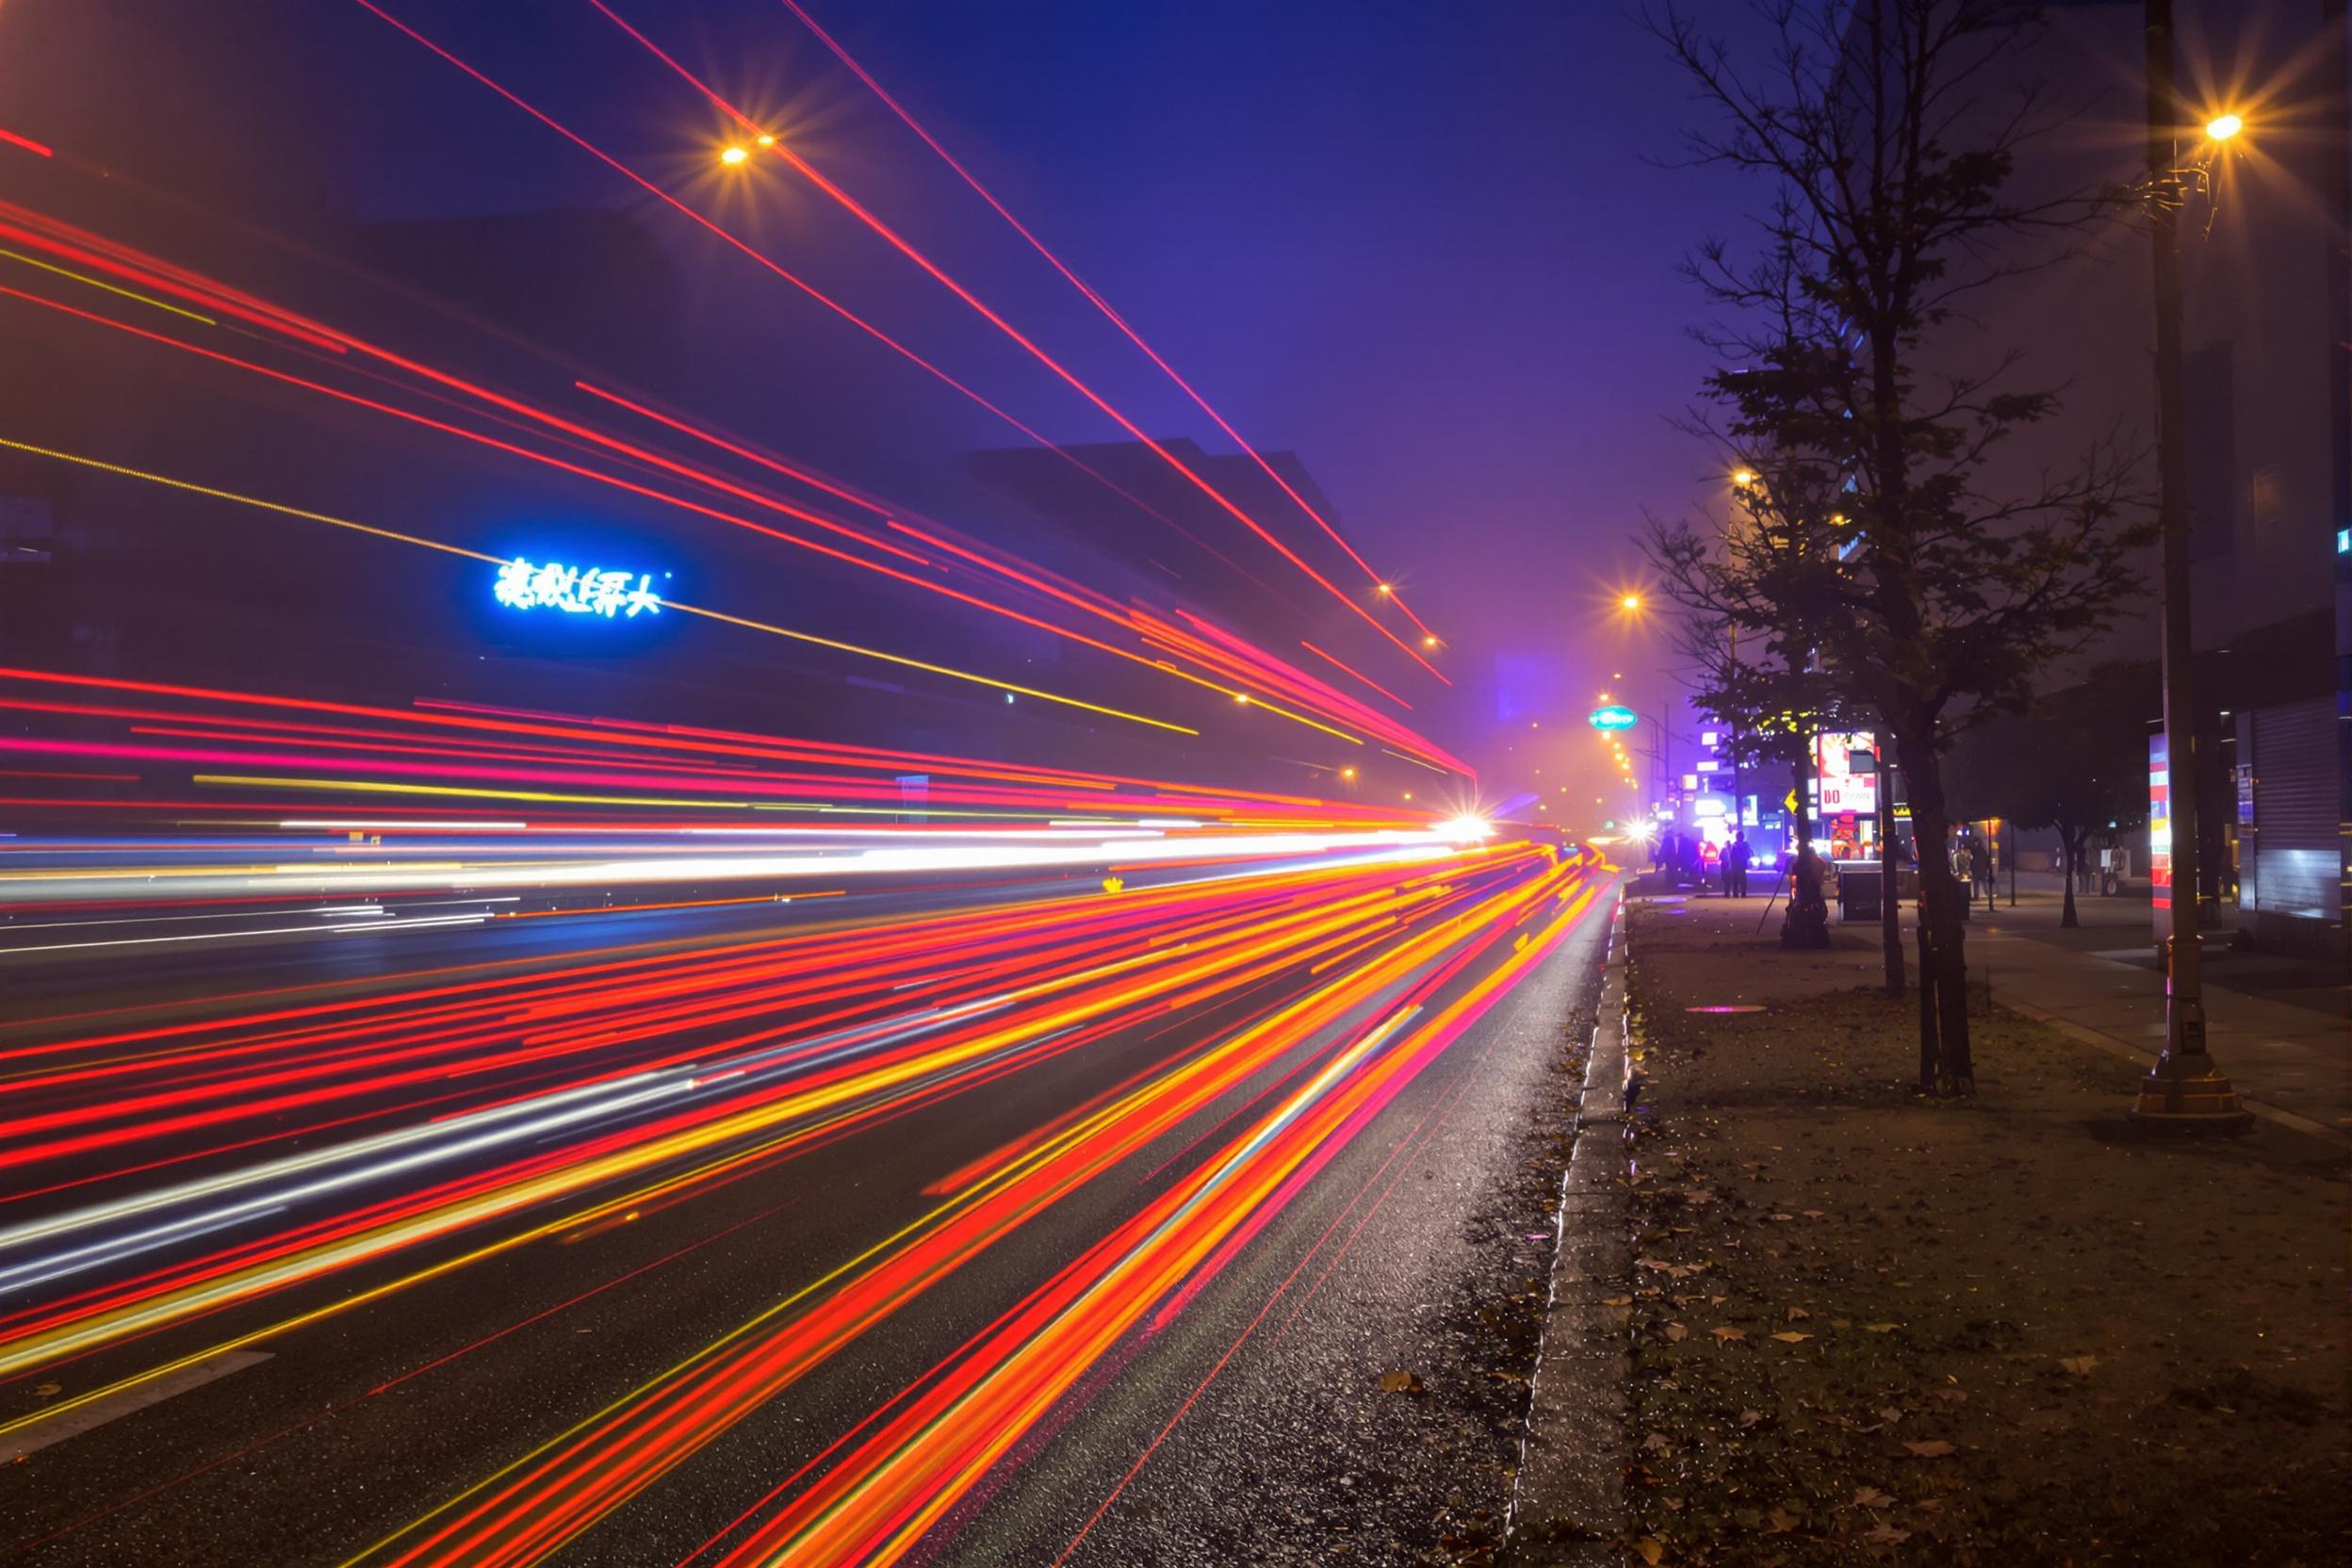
(1888, 567)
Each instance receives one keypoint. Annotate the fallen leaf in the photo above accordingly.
(1933, 1449)
(1652, 1549)
(1616, 1300)
(1880, 1328)
(1784, 1217)
(1813, 1214)
(1889, 1414)
(1870, 1496)
(1782, 1521)
(1656, 1441)
(1798, 1314)
(1400, 1382)
(1789, 1336)
(1750, 1417)
(2078, 1366)
(48, 1391)
(1728, 1334)
(1676, 1333)
(1885, 1535)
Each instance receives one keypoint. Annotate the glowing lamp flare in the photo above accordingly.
(733, 156)
(2221, 127)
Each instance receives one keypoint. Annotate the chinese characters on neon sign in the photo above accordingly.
(524, 584)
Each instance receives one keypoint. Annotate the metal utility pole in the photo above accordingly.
(2184, 1090)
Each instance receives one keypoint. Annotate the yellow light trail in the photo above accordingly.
(111, 288)
(126, 473)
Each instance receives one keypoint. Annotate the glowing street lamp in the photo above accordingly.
(1630, 603)
(733, 156)
(1743, 478)
(2221, 127)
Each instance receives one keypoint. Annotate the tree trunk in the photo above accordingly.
(2071, 842)
(1889, 913)
(1929, 1052)
(1942, 901)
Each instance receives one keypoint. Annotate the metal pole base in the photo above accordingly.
(2184, 1093)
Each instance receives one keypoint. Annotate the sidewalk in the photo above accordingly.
(1870, 1328)
(2277, 1025)
(2283, 1045)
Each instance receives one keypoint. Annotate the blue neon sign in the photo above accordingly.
(525, 584)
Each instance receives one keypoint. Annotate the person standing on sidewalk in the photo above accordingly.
(1736, 857)
(1980, 869)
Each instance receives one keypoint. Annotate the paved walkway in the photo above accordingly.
(2276, 1026)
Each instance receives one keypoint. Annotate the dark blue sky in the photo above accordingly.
(1425, 245)
(1422, 245)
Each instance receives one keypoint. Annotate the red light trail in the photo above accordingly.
(415, 1022)
(899, 244)
(1098, 302)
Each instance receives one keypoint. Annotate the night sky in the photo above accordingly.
(1430, 248)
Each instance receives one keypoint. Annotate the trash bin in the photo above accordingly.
(1860, 887)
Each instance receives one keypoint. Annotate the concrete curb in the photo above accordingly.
(1567, 1503)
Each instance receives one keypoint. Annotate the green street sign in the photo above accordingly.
(1614, 716)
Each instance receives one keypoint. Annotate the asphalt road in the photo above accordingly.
(588, 1389)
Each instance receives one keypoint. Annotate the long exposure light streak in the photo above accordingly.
(743, 1097)
(535, 1504)
(722, 617)
(1101, 304)
(666, 498)
(734, 241)
(898, 242)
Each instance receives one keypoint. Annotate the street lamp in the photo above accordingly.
(733, 156)
(1630, 603)
(1743, 478)
(2184, 1091)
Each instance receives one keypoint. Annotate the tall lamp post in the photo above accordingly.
(2184, 1091)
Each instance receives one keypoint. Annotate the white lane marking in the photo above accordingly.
(82, 1418)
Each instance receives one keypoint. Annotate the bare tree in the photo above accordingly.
(1930, 584)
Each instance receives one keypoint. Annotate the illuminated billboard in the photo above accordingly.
(1844, 788)
(525, 584)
